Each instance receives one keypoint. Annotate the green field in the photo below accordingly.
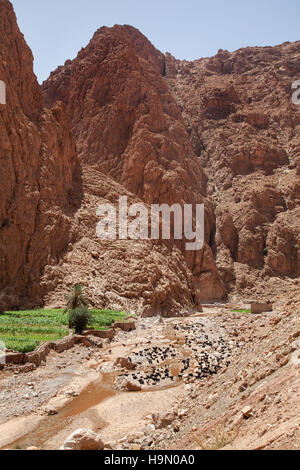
(23, 331)
(242, 311)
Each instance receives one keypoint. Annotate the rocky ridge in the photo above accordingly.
(244, 129)
(115, 88)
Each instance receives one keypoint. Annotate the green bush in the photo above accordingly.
(79, 318)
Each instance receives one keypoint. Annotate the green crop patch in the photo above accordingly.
(23, 331)
(105, 318)
(248, 311)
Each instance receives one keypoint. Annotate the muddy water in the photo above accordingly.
(93, 395)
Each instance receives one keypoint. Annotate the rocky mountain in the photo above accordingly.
(48, 213)
(40, 184)
(126, 123)
(239, 120)
(245, 131)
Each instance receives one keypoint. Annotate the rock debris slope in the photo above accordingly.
(141, 276)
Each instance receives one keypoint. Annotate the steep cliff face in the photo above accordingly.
(127, 124)
(246, 132)
(39, 175)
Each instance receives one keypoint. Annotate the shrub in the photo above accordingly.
(217, 440)
(79, 318)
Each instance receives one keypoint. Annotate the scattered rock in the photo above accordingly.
(162, 420)
(83, 439)
(247, 412)
(110, 445)
(182, 413)
(125, 363)
(132, 386)
(51, 411)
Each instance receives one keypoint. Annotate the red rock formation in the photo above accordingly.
(145, 125)
(39, 177)
(144, 277)
(126, 122)
(48, 242)
(246, 132)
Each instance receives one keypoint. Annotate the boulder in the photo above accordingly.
(125, 363)
(14, 358)
(261, 307)
(83, 439)
(64, 344)
(103, 334)
(133, 386)
(162, 420)
(51, 411)
(125, 326)
(247, 412)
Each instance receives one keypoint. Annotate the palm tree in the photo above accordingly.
(76, 298)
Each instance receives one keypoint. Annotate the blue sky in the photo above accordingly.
(57, 29)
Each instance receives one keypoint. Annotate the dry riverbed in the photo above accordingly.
(83, 387)
(217, 379)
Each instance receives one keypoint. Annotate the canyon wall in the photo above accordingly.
(123, 119)
(245, 130)
(48, 212)
(39, 173)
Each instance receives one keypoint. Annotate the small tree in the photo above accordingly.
(79, 319)
(76, 298)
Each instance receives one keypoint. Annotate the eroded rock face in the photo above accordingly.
(48, 236)
(283, 255)
(127, 124)
(39, 178)
(246, 132)
(145, 277)
(124, 118)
